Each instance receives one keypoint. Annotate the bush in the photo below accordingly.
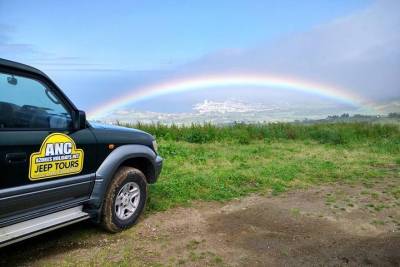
(326, 133)
(328, 136)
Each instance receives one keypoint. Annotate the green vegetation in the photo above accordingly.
(328, 133)
(396, 192)
(208, 162)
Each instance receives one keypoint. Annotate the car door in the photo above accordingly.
(45, 165)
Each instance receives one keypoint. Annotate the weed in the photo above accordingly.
(295, 211)
(379, 207)
(330, 199)
(217, 260)
(396, 192)
(374, 195)
(378, 222)
(193, 244)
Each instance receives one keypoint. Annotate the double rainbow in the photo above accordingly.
(207, 82)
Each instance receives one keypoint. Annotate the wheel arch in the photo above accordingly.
(142, 164)
(137, 156)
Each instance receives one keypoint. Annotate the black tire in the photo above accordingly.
(123, 177)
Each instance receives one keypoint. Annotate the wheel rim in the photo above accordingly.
(127, 201)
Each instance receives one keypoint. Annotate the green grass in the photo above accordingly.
(396, 192)
(327, 133)
(220, 163)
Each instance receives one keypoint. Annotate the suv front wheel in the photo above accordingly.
(125, 199)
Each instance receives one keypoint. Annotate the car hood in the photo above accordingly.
(106, 133)
(103, 126)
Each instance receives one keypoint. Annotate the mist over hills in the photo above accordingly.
(229, 111)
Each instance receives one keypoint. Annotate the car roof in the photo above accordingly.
(20, 66)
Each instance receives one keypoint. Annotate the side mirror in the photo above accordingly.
(80, 120)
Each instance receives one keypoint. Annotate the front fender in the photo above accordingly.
(107, 169)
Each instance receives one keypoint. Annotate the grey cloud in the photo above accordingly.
(8, 48)
(45, 60)
(360, 52)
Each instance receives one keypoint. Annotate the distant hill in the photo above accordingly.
(231, 111)
(390, 118)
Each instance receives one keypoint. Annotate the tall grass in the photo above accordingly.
(336, 134)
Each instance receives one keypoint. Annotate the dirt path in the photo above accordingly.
(330, 225)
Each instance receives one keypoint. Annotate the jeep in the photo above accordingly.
(56, 168)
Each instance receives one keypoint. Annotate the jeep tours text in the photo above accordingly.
(57, 169)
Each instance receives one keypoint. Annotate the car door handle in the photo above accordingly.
(16, 158)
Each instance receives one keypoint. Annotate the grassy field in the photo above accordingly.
(207, 162)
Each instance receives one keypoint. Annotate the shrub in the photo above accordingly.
(326, 133)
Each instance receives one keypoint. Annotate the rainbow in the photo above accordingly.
(206, 82)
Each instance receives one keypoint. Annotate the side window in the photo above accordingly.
(28, 104)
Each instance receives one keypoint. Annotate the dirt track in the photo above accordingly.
(330, 225)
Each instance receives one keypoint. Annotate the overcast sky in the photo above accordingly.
(97, 50)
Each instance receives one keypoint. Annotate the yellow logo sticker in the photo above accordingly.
(58, 156)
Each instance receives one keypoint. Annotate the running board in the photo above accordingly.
(23, 230)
